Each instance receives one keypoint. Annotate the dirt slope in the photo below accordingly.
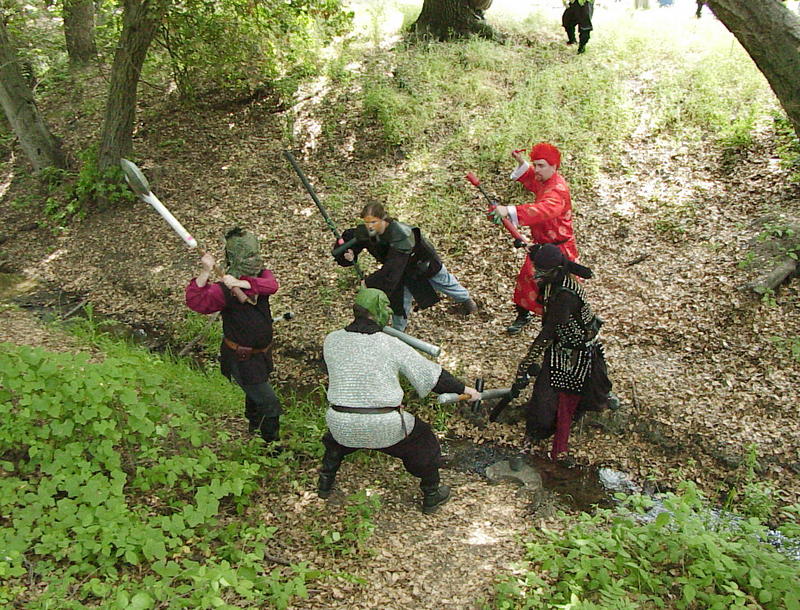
(699, 353)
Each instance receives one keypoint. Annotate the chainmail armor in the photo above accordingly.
(364, 371)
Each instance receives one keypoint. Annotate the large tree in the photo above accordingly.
(770, 33)
(41, 147)
(140, 22)
(446, 19)
(79, 31)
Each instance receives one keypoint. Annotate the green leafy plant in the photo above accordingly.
(767, 296)
(682, 558)
(748, 260)
(277, 43)
(781, 230)
(753, 497)
(778, 229)
(92, 184)
(356, 527)
(120, 486)
(788, 345)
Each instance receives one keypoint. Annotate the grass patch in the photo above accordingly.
(455, 106)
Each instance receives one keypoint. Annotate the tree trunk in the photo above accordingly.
(140, 21)
(447, 19)
(41, 147)
(79, 31)
(770, 34)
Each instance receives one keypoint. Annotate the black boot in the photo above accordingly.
(270, 429)
(583, 38)
(570, 35)
(523, 318)
(433, 494)
(327, 473)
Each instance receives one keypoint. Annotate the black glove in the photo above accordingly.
(534, 370)
(359, 234)
(520, 383)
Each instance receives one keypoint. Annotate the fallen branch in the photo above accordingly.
(770, 281)
(277, 560)
(74, 309)
(637, 260)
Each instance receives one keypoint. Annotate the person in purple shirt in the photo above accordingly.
(242, 297)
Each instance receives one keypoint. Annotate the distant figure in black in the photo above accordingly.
(578, 14)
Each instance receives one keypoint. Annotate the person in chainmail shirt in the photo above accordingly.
(365, 396)
(572, 377)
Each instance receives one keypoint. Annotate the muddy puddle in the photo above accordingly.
(586, 488)
(580, 487)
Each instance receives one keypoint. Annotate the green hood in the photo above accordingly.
(242, 255)
(376, 303)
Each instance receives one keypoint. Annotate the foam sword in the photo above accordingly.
(138, 183)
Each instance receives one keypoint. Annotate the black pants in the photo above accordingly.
(262, 408)
(580, 16)
(420, 451)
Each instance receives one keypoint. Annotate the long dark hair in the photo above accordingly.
(376, 209)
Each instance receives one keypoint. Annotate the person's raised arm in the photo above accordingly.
(201, 296)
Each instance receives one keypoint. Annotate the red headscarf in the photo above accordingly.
(546, 151)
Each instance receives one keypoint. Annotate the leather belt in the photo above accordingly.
(242, 351)
(373, 410)
(376, 410)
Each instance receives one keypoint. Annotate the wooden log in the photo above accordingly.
(773, 279)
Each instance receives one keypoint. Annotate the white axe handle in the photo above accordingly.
(485, 395)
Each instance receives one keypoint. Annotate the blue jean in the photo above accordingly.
(443, 281)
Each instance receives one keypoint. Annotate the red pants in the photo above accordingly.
(567, 405)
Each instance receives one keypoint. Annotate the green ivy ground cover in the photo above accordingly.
(119, 489)
(684, 558)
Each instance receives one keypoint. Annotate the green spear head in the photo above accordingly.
(135, 178)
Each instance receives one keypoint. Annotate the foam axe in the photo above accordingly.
(423, 346)
(519, 240)
(138, 183)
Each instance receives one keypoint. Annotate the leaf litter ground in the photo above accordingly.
(693, 357)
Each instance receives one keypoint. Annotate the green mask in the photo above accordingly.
(376, 303)
(242, 254)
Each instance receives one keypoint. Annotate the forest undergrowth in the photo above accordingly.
(680, 166)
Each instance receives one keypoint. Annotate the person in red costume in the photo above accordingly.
(549, 218)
